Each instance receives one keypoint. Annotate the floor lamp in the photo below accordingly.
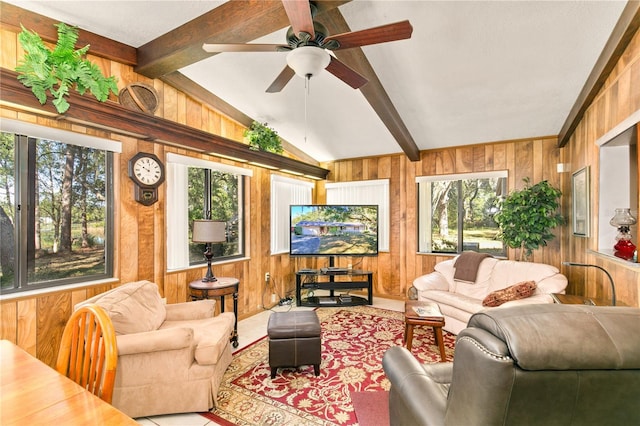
(209, 231)
(588, 265)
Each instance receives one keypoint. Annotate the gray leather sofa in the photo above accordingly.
(545, 364)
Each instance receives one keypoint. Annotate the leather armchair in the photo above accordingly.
(171, 358)
(547, 364)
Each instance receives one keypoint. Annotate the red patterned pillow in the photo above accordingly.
(514, 292)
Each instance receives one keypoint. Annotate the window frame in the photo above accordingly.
(24, 132)
(177, 247)
(425, 215)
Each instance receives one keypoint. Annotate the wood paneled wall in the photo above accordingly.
(618, 99)
(394, 271)
(35, 322)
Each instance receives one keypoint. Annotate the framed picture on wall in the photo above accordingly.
(581, 208)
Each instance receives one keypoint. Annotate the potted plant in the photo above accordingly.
(61, 69)
(262, 137)
(527, 216)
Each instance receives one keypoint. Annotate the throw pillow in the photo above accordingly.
(517, 291)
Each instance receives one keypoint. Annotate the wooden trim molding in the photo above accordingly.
(114, 117)
(622, 34)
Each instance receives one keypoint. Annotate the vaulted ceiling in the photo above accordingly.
(472, 72)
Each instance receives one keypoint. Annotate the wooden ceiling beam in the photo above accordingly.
(200, 94)
(113, 117)
(627, 26)
(373, 91)
(237, 21)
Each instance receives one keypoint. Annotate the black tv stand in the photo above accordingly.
(325, 279)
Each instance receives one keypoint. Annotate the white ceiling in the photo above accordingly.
(473, 71)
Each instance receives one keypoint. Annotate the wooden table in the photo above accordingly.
(411, 319)
(571, 299)
(222, 287)
(32, 393)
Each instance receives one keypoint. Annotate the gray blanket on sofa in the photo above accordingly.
(467, 265)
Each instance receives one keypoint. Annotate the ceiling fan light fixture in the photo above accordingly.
(308, 60)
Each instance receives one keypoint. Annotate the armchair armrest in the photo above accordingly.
(155, 341)
(432, 281)
(412, 384)
(200, 309)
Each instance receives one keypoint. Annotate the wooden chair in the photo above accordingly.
(88, 353)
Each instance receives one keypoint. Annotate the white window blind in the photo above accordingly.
(178, 204)
(285, 192)
(371, 192)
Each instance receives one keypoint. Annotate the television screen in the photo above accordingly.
(333, 230)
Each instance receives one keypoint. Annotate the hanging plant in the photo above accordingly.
(60, 69)
(527, 216)
(261, 137)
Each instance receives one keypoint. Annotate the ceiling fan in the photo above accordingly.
(308, 44)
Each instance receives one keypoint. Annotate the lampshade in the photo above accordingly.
(622, 217)
(308, 60)
(209, 231)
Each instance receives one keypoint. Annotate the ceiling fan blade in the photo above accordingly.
(240, 47)
(346, 74)
(281, 80)
(382, 34)
(299, 13)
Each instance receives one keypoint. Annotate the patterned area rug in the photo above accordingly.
(354, 340)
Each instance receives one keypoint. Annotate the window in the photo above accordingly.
(199, 189)
(56, 207)
(373, 192)
(456, 213)
(285, 192)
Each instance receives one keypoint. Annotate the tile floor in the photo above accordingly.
(249, 330)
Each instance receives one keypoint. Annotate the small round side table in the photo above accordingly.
(222, 287)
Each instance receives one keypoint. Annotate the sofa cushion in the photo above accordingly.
(211, 336)
(514, 292)
(134, 307)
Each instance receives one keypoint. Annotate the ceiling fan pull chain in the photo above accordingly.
(307, 80)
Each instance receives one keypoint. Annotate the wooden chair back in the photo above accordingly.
(88, 353)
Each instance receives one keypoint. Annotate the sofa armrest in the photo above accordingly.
(433, 281)
(200, 309)
(412, 384)
(154, 341)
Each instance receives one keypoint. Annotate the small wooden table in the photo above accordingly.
(34, 393)
(220, 288)
(572, 299)
(411, 319)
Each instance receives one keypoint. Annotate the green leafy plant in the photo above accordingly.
(262, 137)
(527, 216)
(60, 69)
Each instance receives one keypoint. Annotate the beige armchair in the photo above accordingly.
(171, 358)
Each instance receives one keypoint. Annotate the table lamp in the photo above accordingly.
(588, 265)
(624, 247)
(209, 231)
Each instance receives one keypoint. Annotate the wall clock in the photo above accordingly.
(147, 172)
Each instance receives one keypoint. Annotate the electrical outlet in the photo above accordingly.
(273, 298)
(267, 276)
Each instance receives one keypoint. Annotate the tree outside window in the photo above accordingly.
(456, 214)
(56, 201)
(215, 195)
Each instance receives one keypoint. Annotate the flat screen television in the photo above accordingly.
(333, 230)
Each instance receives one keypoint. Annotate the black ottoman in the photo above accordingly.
(294, 340)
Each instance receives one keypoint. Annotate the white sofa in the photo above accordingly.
(458, 300)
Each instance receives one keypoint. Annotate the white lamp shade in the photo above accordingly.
(308, 60)
(209, 231)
